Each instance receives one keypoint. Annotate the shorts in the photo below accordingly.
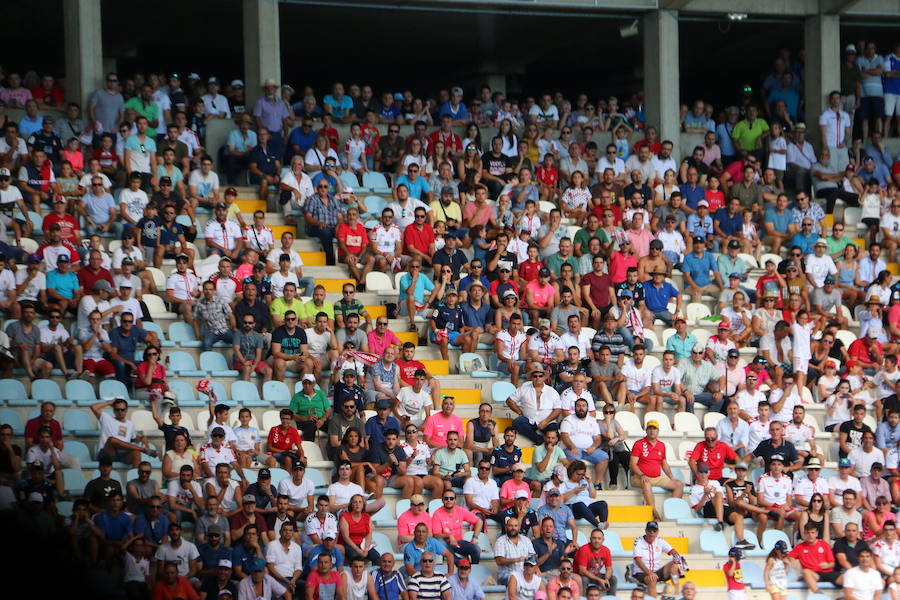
(871, 222)
(891, 105)
(259, 369)
(830, 576)
(122, 456)
(776, 515)
(660, 575)
(659, 481)
(737, 594)
(800, 365)
(709, 512)
(104, 368)
(871, 107)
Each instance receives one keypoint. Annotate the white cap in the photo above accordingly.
(193, 76)
(36, 497)
(309, 377)
(125, 283)
(348, 189)
(850, 48)
(237, 83)
(521, 494)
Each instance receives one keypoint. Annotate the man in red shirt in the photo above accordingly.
(68, 226)
(94, 272)
(239, 521)
(353, 242)
(868, 350)
(282, 441)
(325, 582)
(408, 367)
(816, 559)
(445, 134)
(593, 561)
(648, 465)
(418, 238)
(171, 585)
(651, 140)
(712, 452)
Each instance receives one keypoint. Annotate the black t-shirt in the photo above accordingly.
(455, 261)
(854, 435)
(766, 451)
(528, 522)
(378, 455)
(97, 490)
(448, 318)
(262, 500)
(343, 392)
(552, 562)
(741, 491)
(210, 585)
(508, 259)
(259, 311)
(290, 342)
(564, 367)
(852, 552)
(495, 165)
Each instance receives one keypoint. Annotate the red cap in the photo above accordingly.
(724, 324)
(465, 562)
(852, 363)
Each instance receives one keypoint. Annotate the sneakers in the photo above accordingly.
(718, 526)
(744, 545)
(412, 327)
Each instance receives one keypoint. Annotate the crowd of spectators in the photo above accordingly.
(566, 294)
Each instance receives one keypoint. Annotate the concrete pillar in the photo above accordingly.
(661, 74)
(822, 42)
(496, 81)
(84, 49)
(262, 46)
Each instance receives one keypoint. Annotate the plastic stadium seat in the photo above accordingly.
(749, 260)
(29, 245)
(220, 393)
(114, 475)
(216, 365)
(112, 388)
(155, 328)
(702, 335)
(80, 422)
(710, 419)
(159, 278)
(236, 422)
(182, 363)
(648, 334)
(143, 421)
(270, 419)
(685, 448)
(472, 364)
(696, 311)
(667, 333)
(402, 506)
(313, 452)
(74, 482)
(848, 337)
(276, 393)
(714, 541)
(80, 392)
(630, 423)
(381, 542)
(246, 394)
(620, 576)
(316, 478)
(156, 307)
(665, 428)
(183, 334)
(688, 423)
(501, 390)
(651, 361)
(184, 392)
(278, 475)
(12, 389)
(753, 574)
(613, 541)
(852, 215)
(378, 282)
(12, 418)
(80, 451)
(46, 389)
(770, 536)
(677, 509)
(376, 182)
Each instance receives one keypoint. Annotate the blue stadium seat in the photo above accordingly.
(384, 516)
(714, 541)
(614, 543)
(753, 574)
(12, 389)
(278, 475)
(182, 363)
(12, 418)
(349, 178)
(73, 481)
(80, 422)
(501, 390)
(47, 390)
(113, 388)
(376, 182)
(80, 392)
(220, 392)
(402, 506)
(382, 543)
(80, 451)
(65, 508)
(620, 576)
(246, 393)
(677, 509)
(182, 334)
(184, 392)
(276, 393)
(315, 476)
(215, 364)
(770, 536)
(155, 328)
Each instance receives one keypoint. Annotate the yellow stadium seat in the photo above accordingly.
(277, 230)
(829, 220)
(403, 336)
(630, 514)
(376, 310)
(437, 367)
(502, 424)
(860, 243)
(527, 454)
(705, 577)
(463, 396)
(312, 259)
(335, 285)
(251, 206)
(894, 268)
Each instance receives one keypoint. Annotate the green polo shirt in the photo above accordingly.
(310, 310)
(837, 246)
(304, 405)
(748, 135)
(149, 110)
(554, 262)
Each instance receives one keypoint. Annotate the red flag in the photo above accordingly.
(366, 357)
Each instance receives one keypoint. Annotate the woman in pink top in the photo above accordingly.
(511, 487)
(539, 296)
(407, 521)
(438, 425)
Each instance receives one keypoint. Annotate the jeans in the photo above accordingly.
(831, 196)
(628, 337)
(373, 556)
(123, 372)
(619, 459)
(706, 399)
(115, 229)
(525, 427)
(673, 257)
(466, 549)
(306, 284)
(596, 457)
(596, 513)
(326, 237)
(209, 338)
(665, 316)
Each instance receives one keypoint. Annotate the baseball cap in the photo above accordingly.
(845, 462)
(36, 497)
(852, 363)
(416, 499)
(237, 83)
(447, 189)
(521, 494)
(510, 293)
(698, 239)
(464, 562)
(735, 552)
(63, 258)
(452, 292)
(537, 369)
(212, 80)
(698, 347)
(531, 559)
(214, 529)
(777, 457)
(651, 525)
(701, 203)
(821, 242)
(165, 179)
(102, 285)
(264, 474)
(724, 324)
(4, 172)
(383, 404)
(258, 564)
(553, 492)
(735, 275)
(221, 205)
(34, 259)
(299, 466)
(652, 423)
(829, 279)
(309, 377)
(741, 465)
(544, 323)
(59, 200)
(733, 353)
(223, 563)
(127, 261)
(850, 48)
(781, 545)
(349, 373)
(813, 464)
(626, 294)
(250, 498)
(800, 127)
(125, 283)
(679, 318)
(544, 272)
(519, 467)
(868, 159)
(734, 244)
(656, 245)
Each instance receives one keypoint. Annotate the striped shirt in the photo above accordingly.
(428, 588)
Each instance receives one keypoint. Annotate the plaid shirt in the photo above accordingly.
(214, 313)
(327, 214)
(814, 212)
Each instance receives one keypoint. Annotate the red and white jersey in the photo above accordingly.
(51, 253)
(182, 285)
(804, 487)
(889, 553)
(546, 349)
(208, 454)
(227, 287)
(799, 435)
(774, 490)
(650, 553)
(225, 234)
(510, 344)
(259, 239)
(386, 238)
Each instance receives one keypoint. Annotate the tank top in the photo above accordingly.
(767, 321)
(179, 461)
(480, 433)
(778, 574)
(357, 590)
(846, 276)
(525, 589)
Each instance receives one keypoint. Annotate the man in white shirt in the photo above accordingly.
(510, 351)
(203, 185)
(834, 130)
(580, 435)
(845, 480)
(638, 378)
(214, 104)
(179, 551)
(578, 338)
(299, 489)
(863, 582)
(537, 406)
(759, 427)
(647, 565)
(667, 387)
(481, 493)
(819, 264)
(117, 433)
(865, 456)
(285, 557)
(223, 237)
(663, 162)
(748, 399)
(800, 158)
(805, 487)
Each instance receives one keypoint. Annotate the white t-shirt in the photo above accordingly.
(9, 199)
(801, 338)
(775, 490)
(582, 342)
(404, 215)
(749, 402)
(786, 414)
(650, 554)
(666, 380)
(286, 562)
(482, 493)
(246, 438)
(511, 345)
(865, 585)
(229, 502)
(259, 239)
(37, 285)
(275, 254)
(546, 348)
(111, 427)
(182, 555)
(636, 378)
(386, 239)
(777, 160)
(863, 461)
(799, 435)
(888, 553)
(819, 267)
(120, 253)
(53, 337)
(581, 431)
(134, 203)
(299, 493)
(890, 222)
(342, 493)
(419, 464)
(7, 283)
(804, 487)
(759, 431)
(698, 491)
(278, 280)
(882, 377)
(204, 184)
(413, 405)
(182, 497)
(317, 343)
(838, 485)
(551, 113)
(128, 306)
(225, 234)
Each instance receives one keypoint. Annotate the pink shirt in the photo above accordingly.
(244, 271)
(640, 240)
(437, 426)
(452, 522)
(540, 294)
(406, 523)
(510, 487)
(378, 344)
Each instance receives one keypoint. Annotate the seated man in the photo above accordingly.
(815, 558)
(649, 550)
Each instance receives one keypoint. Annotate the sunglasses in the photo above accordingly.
(153, 354)
(449, 497)
(249, 323)
(290, 318)
(484, 468)
(381, 323)
(609, 412)
(119, 410)
(427, 560)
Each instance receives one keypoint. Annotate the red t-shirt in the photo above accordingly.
(332, 135)
(408, 370)
(810, 555)
(715, 458)
(240, 519)
(371, 136)
(420, 240)
(860, 351)
(649, 457)
(108, 158)
(764, 281)
(615, 210)
(315, 580)
(547, 176)
(87, 279)
(594, 562)
(618, 266)
(451, 141)
(529, 270)
(355, 238)
(279, 441)
(358, 530)
(735, 581)
(716, 199)
(54, 96)
(68, 226)
(655, 147)
(33, 425)
(496, 283)
(143, 367)
(183, 589)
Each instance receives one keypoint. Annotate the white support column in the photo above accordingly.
(84, 49)
(262, 46)
(822, 42)
(661, 74)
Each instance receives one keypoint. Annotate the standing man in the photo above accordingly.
(271, 113)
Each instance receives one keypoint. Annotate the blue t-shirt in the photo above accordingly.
(780, 222)
(412, 555)
(477, 317)
(65, 284)
(692, 194)
(503, 458)
(305, 141)
(871, 84)
(417, 188)
(389, 112)
(730, 225)
(239, 142)
(98, 207)
(448, 318)
(154, 532)
(375, 430)
(115, 528)
(702, 226)
(126, 345)
(657, 300)
(243, 557)
(423, 284)
(891, 85)
(806, 243)
(210, 557)
(168, 236)
(700, 268)
(339, 107)
(461, 111)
